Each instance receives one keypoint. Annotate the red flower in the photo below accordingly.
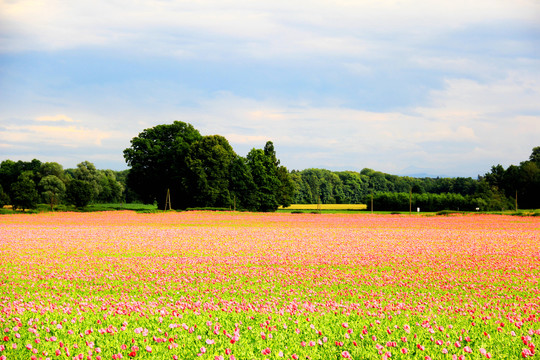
(133, 354)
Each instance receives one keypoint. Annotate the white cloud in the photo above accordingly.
(61, 133)
(245, 28)
(55, 118)
(484, 106)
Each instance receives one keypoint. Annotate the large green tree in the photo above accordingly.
(265, 177)
(87, 172)
(209, 159)
(111, 189)
(273, 184)
(52, 190)
(79, 193)
(157, 158)
(23, 192)
(241, 185)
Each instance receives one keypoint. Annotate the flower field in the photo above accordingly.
(206, 285)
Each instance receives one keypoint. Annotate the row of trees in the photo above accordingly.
(25, 184)
(495, 190)
(175, 165)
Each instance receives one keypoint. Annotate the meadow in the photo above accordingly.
(229, 285)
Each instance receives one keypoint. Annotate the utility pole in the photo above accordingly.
(516, 202)
(372, 203)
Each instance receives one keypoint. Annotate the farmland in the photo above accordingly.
(209, 285)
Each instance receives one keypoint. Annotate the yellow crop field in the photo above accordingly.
(326, 207)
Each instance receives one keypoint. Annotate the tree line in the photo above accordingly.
(24, 184)
(175, 166)
(495, 190)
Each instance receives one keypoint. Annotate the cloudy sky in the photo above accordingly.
(443, 87)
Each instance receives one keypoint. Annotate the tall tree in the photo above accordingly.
(110, 189)
(286, 187)
(24, 194)
(87, 172)
(157, 158)
(241, 185)
(263, 167)
(52, 190)
(210, 159)
(79, 193)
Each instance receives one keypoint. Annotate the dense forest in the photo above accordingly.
(173, 165)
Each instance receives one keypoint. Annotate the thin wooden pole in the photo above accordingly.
(516, 202)
(372, 203)
(168, 200)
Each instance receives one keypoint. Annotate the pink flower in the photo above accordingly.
(404, 350)
(203, 350)
(148, 348)
(210, 342)
(346, 354)
(407, 328)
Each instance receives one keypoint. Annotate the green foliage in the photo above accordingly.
(242, 187)
(79, 193)
(272, 183)
(522, 181)
(157, 158)
(23, 192)
(204, 171)
(111, 190)
(4, 197)
(264, 174)
(52, 168)
(209, 160)
(52, 190)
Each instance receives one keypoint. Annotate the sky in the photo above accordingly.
(443, 88)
